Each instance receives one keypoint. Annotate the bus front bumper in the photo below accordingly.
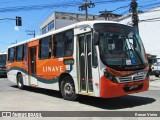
(110, 89)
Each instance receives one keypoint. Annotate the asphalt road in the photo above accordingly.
(36, 99)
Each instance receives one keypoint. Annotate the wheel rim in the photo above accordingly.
(19, 82)
(68, 89)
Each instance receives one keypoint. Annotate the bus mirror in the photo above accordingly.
(96, 38)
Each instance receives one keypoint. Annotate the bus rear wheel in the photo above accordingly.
(68, 89)
(20, 81)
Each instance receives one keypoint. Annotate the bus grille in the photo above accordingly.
(131, 78)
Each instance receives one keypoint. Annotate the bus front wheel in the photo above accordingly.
(68, 89)
(20, 81)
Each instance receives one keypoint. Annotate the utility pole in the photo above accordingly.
(85, 7)
(133, 9)
(31, 32)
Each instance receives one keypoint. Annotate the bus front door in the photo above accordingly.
(32, 66)
(85, 63)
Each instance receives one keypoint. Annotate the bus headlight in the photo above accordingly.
(110, 76)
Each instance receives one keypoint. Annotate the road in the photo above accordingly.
(36, 99)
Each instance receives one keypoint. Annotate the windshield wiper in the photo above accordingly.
(133, 49)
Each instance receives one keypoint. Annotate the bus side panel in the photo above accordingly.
(14, 68)
(49, 71)
(53, 85)
(11, 75)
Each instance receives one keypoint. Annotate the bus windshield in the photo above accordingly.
(120, 46)
(3, 60)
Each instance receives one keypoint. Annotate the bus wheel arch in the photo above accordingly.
(20, 80)
(67, 87)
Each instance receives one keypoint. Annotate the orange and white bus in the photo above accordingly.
(96, 58)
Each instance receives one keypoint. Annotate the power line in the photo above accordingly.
(122, 7)
(46, 6)
(68, 4)
(10, 1)
(36, 7)
(151, 19)
(150, 5)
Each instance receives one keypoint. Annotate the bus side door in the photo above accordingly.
(87, 74)
(32, 64)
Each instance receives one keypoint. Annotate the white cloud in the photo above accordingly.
(16, 28)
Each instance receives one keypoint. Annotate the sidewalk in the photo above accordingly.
(154, 83)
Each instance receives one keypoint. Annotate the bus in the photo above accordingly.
(3, 57)
(95, 58)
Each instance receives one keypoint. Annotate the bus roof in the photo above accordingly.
(90, 23)
(3, 52)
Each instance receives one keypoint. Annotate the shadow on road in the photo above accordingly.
(48, 92)
(3, 76)
(127, 101)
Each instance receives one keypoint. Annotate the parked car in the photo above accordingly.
(156, 69)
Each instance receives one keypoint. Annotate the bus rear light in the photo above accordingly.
(90, 79)
(82, 78)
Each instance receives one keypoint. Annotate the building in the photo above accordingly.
(61, 19)
(149, 24)
(108, 15)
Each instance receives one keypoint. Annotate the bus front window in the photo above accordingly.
(120, 46)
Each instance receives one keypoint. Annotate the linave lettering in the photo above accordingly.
(53, 69)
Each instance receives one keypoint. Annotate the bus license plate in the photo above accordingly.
(133, 87)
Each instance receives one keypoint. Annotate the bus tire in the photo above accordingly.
(20, 81)
(68, 89)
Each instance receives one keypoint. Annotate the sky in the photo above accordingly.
(34, 12)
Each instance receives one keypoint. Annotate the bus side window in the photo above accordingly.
(58, 45)
(68, 43)
(63, 44)
(11, 54)
(19, 52)
(45, 48)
